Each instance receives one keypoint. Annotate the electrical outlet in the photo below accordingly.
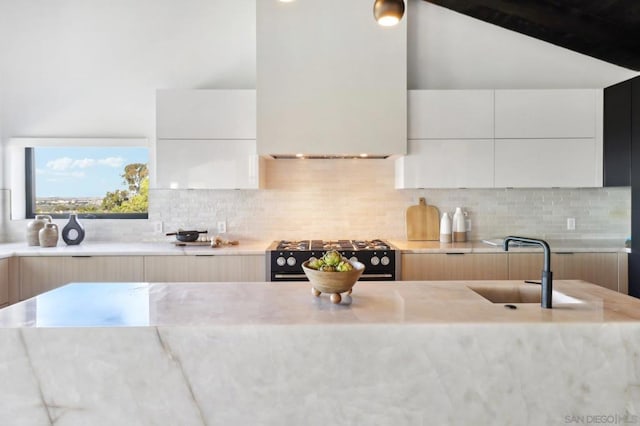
(157, 227)
(571, 223)
(222, 227)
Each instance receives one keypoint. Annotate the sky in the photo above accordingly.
(83, 171)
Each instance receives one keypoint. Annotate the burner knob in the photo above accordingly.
(385, 260)
(353, 259)
(281, 261)
(291, 261)
(375, 261)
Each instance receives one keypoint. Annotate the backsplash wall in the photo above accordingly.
(333, 199)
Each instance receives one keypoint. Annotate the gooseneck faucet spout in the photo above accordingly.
(547, 275)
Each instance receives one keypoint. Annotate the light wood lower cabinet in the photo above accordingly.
(597, 268)
(238, 268)
(623, 273)
(40, 274)
(454, 266)
(4, 282)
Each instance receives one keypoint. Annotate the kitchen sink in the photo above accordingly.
(519, 293)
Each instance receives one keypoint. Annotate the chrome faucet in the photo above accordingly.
(547, 280)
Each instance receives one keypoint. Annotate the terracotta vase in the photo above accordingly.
(34, 227)
(48, 235)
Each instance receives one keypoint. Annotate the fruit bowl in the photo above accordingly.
(333, 283)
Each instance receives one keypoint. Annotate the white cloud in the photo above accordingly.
(40, 171)
(111, 161)
(60, 163)
(64, 176)
(84, 163)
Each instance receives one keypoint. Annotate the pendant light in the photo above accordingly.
(388, 12)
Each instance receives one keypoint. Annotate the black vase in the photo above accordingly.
(73, 231)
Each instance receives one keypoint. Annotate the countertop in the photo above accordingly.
(213, 304)
(248, 247)
(412, 353)
(258, 247)
(578, 245)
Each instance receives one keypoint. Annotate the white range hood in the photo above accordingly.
(331, 82)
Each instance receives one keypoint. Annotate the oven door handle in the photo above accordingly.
(376, 276)
(289, 276)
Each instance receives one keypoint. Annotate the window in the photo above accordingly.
(93, 181)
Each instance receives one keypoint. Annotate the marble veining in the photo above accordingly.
(169, 353)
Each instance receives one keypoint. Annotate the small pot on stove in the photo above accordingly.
(187, 236)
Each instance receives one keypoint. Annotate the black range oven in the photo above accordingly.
(285, 258)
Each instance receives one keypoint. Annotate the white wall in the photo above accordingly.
(90, 68)
(449, 50)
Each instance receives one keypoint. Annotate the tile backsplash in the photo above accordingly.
(356, 199)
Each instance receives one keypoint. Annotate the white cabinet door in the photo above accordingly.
(446, 164)
(540, 163)
(450, 114)
(207, 164)
(560, 113)
(206, 114)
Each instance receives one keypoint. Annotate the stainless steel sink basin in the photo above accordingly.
(519, 293)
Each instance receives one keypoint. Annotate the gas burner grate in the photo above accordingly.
(340, 245)
(293, 245)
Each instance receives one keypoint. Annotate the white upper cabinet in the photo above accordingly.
(330, 80)
(450, 114)
(206, 140)
(450, 140)
(450, 163)
(560, 113)
(207, 163)
(543, 138)
(548, 138)
(206, 114)
(543, 163)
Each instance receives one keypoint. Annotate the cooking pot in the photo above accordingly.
(187, 236)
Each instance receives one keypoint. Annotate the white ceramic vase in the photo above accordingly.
(48, 236)
(34, 227)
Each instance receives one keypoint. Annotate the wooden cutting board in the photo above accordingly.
(423, 222)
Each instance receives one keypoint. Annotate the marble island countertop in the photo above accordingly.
(414, 353)
(213, 304)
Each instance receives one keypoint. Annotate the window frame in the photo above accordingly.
(22, 172)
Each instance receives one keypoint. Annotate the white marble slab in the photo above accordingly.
(213, 304)
(441, 374)
(272, 354)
